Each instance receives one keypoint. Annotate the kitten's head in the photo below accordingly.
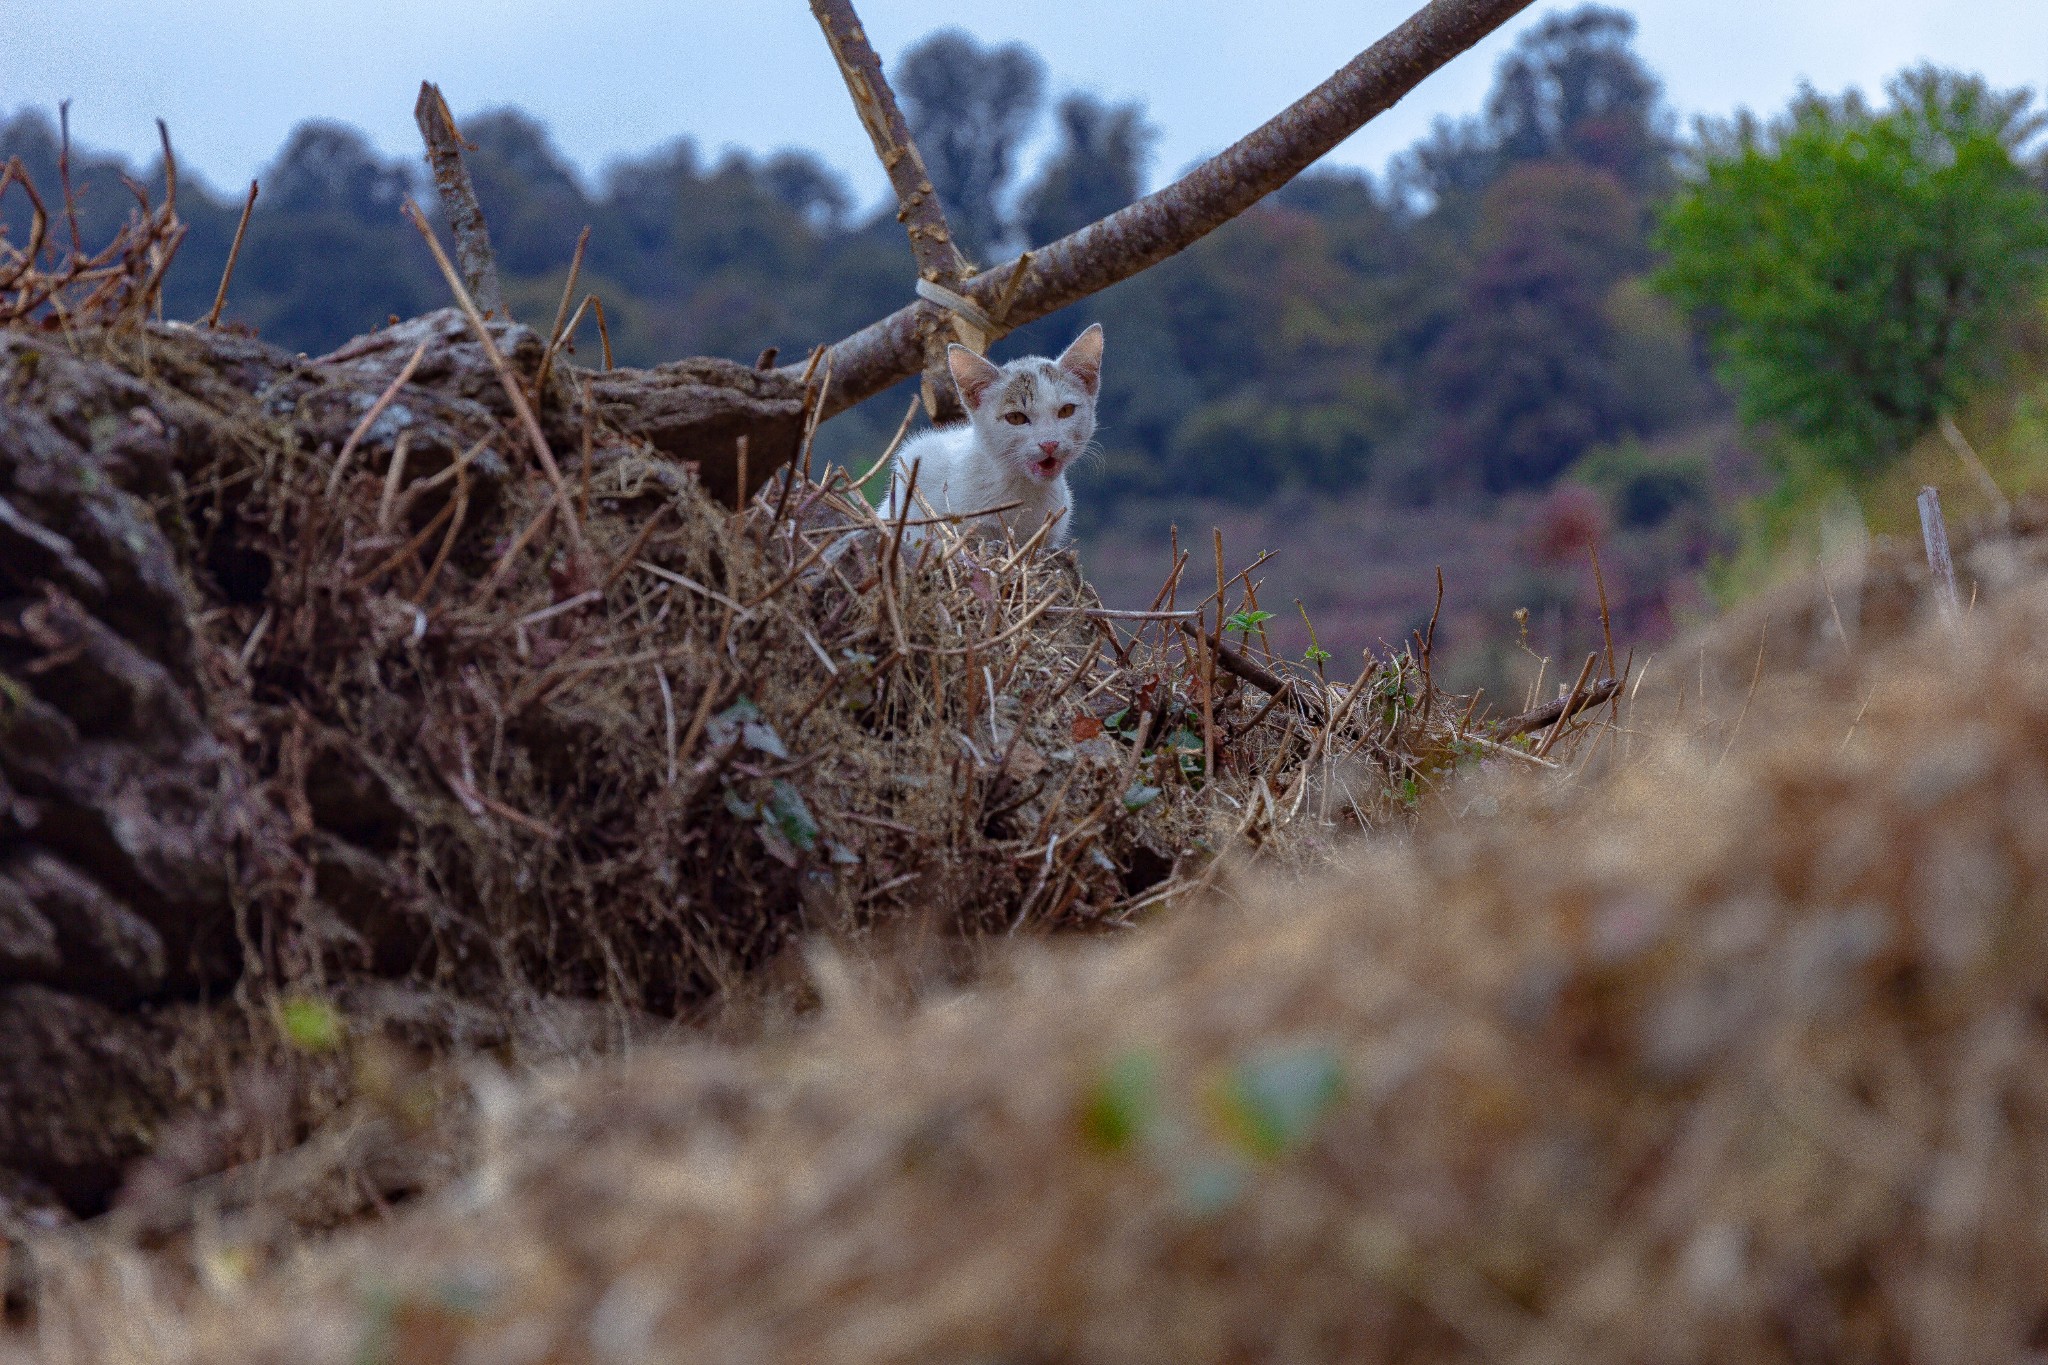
(1035, 414)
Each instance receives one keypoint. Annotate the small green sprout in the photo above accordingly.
(1245, 622)
(1271, 1102)
(310, 1024)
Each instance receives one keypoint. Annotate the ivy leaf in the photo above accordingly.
(760, 736)
(728, 724)
(775, 845)
(1140, 796)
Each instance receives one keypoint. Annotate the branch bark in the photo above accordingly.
(451, 182)
(1564, 708)
(918, 209)
(1167, 221)
(1241, 667)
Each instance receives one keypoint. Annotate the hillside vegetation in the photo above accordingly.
(1454, 338)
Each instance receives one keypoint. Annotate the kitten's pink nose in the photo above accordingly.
(1049, 447)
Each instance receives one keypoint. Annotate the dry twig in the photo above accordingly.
(458, 197)
(220, 295)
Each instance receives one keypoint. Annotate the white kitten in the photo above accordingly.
(1026, 422)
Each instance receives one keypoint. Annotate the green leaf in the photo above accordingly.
(1272, 1100)
(1122, 1106)
(311, 1025)
(1244, 622)
(792, 817)
(1140, 796)
(1317, 655)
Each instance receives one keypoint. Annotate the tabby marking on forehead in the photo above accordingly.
(1021, 388)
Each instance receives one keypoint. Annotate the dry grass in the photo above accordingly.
(52, 282)
(1735, 1053)
(637, 771)
(551, 753)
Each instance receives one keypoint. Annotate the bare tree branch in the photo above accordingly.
(931, 239)
(1155, 227)
(458, 197)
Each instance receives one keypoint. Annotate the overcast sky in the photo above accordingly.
(615, 78)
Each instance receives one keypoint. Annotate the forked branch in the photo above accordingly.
(931, 240)
(918, 209)
(1155, 227)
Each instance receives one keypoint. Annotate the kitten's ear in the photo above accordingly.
(1083, 359)
(971, 374)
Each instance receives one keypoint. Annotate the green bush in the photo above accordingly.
(1860, 273)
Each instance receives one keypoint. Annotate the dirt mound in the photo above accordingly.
(433, 663)
(434, 700)
(1867, 594)
(1718, 1058)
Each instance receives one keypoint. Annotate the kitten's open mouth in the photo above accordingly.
(1045, 466)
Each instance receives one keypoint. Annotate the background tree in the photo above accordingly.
(1526, 373)
(327, 254)
(1098, 167)
(1572, 90)
(969, 108)
(1860, 272)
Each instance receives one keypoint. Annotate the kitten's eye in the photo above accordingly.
(1067, 411)
(1015, 419)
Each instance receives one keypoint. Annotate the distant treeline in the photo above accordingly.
(1469, 326)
